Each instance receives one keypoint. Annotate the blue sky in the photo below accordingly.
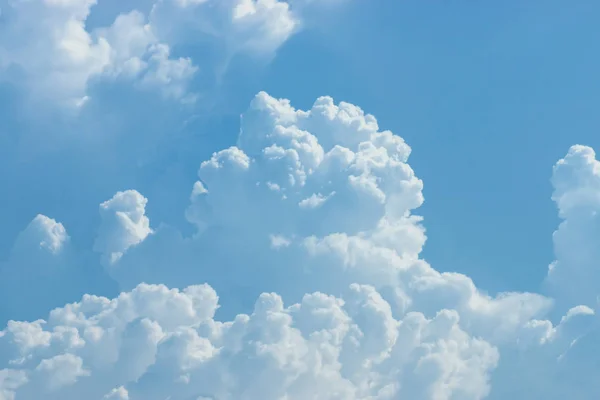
(119, 180)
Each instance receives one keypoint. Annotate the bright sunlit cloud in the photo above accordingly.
(297, 272)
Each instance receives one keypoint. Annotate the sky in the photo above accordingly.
(299, 199)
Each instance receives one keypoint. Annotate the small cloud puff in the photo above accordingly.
(124, 224)
(44, 233)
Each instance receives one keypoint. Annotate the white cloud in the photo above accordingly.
(364, 233)
(254, 26)
(60, 371)
(10, 380)
(279, 241)
(57, 57)
(315, 200)
(124, 224)
(154, 342)
(575, 273)
(328, 150)
(367, 318)
(44, 233)
(332, 150)
(138, 53)
(48, 40)
(119, 393)
(157, 343)
(310, 216)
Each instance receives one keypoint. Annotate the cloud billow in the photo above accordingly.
(310, 218)
(302, 277)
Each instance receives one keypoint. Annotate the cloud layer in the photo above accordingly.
(160, 343)
(310, 217)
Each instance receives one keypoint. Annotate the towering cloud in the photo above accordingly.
(310, 217)
(575, 273)
(37, 264)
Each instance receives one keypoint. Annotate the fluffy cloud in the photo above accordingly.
(120, 60)
(359, 229)
(56, 57)
(40, 256)
(317, 206)
(310, 217)
(44, 235)
(124, 224)
(255, 26)
(319, 179)
(156, 343)
(47, 47)
(575, 274)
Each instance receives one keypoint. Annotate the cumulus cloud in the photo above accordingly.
(156, 343)
(47, 47)
(576, 181)
(260, 189)
(251, 198)
(124, 224)
(255, 26)
(311, 218)
(42, 235)
(56, 57)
